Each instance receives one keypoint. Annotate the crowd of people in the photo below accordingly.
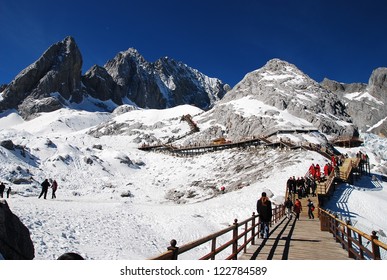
(302, 186)
(45, 185)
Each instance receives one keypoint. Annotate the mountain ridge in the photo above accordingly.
(55, 81)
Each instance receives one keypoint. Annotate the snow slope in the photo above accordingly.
(117, 202)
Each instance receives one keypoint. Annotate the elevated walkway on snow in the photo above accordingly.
(296, 240)
(321, 238)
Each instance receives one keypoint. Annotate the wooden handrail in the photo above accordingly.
(344, 233)
(251, 227)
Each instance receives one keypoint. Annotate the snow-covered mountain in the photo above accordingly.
(278, 97)
(54, 81)
(116, 201)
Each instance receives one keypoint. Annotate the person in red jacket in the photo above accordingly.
(333, 159)
(312, 171)
(297, 208)
(318, 173)
(326, 170)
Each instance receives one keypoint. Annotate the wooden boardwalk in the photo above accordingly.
(297, 240)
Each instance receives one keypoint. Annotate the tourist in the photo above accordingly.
(297, 208)
(264, 210)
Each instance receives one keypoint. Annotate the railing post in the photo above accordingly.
(361, 250)
(213, 248)
(174, 249)
(324, 222)
(349, 241)
(253, 230)
(375, 248)
(335, 223)
(235, 240)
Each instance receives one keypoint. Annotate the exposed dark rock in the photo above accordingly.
(100, 85)
(31, 107)
(163, 84)
(15, 240)
(127, 194)
(58, 70)
(98, 147)
(8, 144)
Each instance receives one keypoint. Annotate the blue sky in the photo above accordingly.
(340, 40)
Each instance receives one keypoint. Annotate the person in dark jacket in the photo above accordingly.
(288, 208)
(264, 210)
(310, 209)
(45, 186)
(2, 188)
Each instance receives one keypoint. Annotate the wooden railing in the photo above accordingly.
(243, 234)
(352, 239)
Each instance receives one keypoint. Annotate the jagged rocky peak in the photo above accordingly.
(58, 70)
(126, 64)
(162, 84)
(55, 80)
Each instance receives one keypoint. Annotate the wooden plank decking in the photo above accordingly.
(297, 240)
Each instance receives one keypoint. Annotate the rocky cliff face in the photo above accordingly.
(164, 83)
(58, 70)
(366, 103)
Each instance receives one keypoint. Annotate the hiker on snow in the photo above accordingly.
(264, 211)
(54, 187)
(45, 186)
(2, 188)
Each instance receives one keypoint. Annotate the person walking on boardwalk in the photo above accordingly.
(313, 186)
(264, 210)
(8, 192)
(2, 188)
(45, 186)
(288, 208)
(297, 208)
(310, 209)
(54, 187)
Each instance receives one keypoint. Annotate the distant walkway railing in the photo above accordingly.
(352, 239)
(243, 234)
(347, 141)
